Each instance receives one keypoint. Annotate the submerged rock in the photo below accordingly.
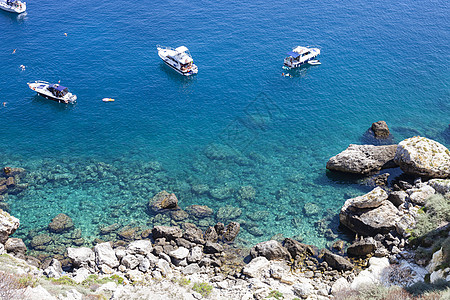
(363, 159)
(420, 156)
(219, 152)
(227, 213)
(60, 223)
(199, 211)
(179, 215)
(40, 240)
(231, 231)
(163, 201)
(247, 192)
(221, 193)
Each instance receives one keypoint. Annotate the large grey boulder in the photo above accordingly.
(362, 247)
(15, 245)
(105, 255)
(296, 248)
(180, 253)
(372, 199)
(337, 262)
(371, 219)
(420, 156)
(143, 247)
(81, 257)
(8, 225)
(363, 159)
(272, 250)
(255, 267)
(130, 261)
(169, 233)
(380, 130)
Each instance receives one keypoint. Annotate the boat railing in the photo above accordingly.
(164, 47)
(314, 46)
(41, 81)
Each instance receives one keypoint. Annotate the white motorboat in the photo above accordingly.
(55, 92)
(14, 6)
(300, 55)
(178, 59)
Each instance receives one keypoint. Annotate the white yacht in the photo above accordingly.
(300, 55)
(14, 6)
(178, 59)
(55, 92)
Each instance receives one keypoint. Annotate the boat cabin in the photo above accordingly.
(13, 3)
(58, 90)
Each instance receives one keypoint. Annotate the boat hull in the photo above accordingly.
(190, 73)
(299, 64)
(52, 98)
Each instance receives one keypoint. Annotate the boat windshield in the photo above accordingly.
(12, 2)
(58, 90)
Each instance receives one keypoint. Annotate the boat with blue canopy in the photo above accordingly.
(55, 92)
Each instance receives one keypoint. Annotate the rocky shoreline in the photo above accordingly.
(173, 262)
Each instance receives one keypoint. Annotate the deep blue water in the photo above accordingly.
(381, 60)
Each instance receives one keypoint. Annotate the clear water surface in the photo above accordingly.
(238, 134)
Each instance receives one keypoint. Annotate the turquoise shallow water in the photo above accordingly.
(259, 141)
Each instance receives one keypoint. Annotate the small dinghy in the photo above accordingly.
(314, 62)
(55, 92)
(108, 100)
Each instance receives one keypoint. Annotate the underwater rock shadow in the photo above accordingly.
(446, 134)
(368, 138)
(39, 102)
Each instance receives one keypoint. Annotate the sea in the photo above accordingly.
(245, 137)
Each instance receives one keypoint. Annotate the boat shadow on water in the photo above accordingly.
(174, 76)
(39, 102)
(299, 72)
(13, 16)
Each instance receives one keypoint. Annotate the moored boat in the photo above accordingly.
(55, 92)
(14, 6)
(300, 55)
(179, 59)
